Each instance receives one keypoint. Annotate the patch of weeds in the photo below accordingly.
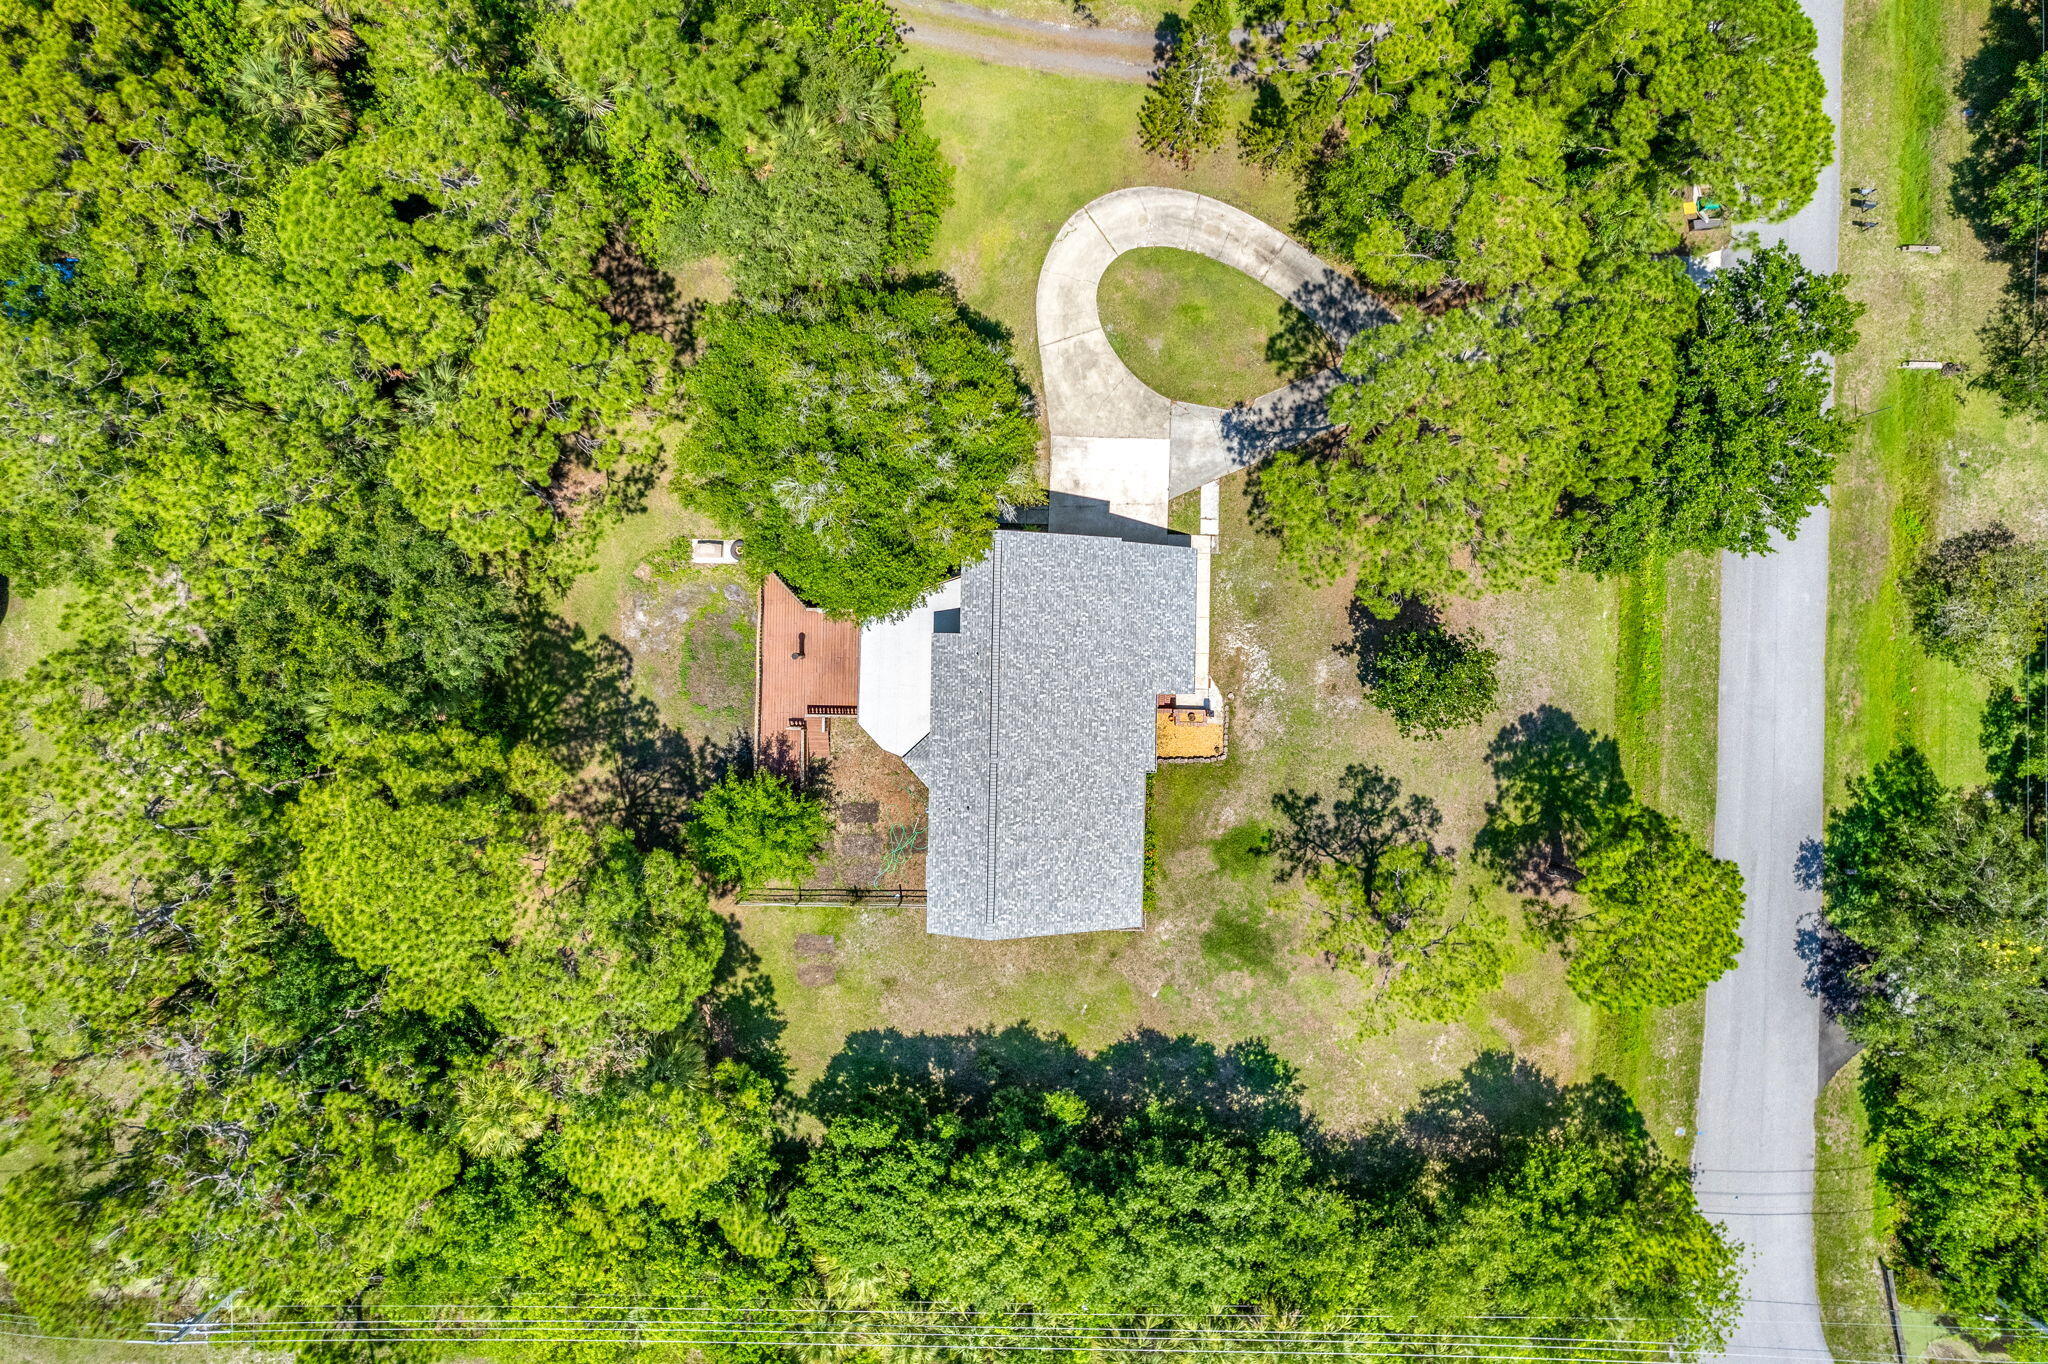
(1238, 939)
(1242, 852)
(1150, 899)
(715, 661)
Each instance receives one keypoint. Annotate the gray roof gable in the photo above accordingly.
(1042, 732)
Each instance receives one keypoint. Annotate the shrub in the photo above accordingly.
(751, 830)
(1431, 679)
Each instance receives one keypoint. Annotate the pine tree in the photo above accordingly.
(1185, 110)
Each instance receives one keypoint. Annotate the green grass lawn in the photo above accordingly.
(1195, 329)
(690, 631)
(1932, 457)
(1028, 148)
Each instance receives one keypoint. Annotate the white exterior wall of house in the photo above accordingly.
(896, 672)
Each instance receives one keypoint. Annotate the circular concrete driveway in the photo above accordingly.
(1121, 450)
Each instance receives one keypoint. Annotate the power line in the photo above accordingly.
(926, 1326)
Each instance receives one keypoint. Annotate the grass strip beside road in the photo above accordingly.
(1913, 30)
(1851, 1212)
(1666, 716)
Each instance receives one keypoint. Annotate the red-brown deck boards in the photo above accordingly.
(806, 661)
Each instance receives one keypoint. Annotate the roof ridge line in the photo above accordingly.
(995, 697)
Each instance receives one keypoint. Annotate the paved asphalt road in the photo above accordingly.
(1760, 1074)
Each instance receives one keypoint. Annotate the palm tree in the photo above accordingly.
(319, 29)
(296, 98)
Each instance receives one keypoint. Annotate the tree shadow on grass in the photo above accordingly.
(1555, 783)
(574, 697)
(1245, 1086)
(1367, 819)
(1464, 1127)
(644, 297)
(742, 1014)
(1370, 631)
(2011, 38)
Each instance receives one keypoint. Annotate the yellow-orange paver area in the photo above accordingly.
(1188, 732)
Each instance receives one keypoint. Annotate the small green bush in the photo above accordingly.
(1431, 679)
(757, 830)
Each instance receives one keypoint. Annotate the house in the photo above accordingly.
(1024, 695)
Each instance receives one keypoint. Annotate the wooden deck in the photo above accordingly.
(806, 670)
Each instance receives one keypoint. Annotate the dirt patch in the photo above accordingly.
(878, 813)
(816, 956)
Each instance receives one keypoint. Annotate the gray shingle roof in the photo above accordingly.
(1042, 732)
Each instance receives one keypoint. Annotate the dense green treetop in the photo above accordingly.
(1980, 599)
(113, 149)
(1484, 146)
(1645, 915)
(1659, 917)
(1945, 894)
(1557, 393)
(1039, 1201)
(1118, 1194)
(547, 933)
(861, 440)
(1566, 1210)
(774, 133)
(1752, 444)
(1187, 110)
(757, 830)
(1470, 430)
(440, 251)
(1430, 679)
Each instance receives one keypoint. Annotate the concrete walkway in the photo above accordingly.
(1120, 451)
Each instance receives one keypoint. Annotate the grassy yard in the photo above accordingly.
(1028, 149)
(1932, 457)
(690, 631)
(1223, 958)
(1195, 329)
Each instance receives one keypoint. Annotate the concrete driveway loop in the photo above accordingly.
(1121, 451)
